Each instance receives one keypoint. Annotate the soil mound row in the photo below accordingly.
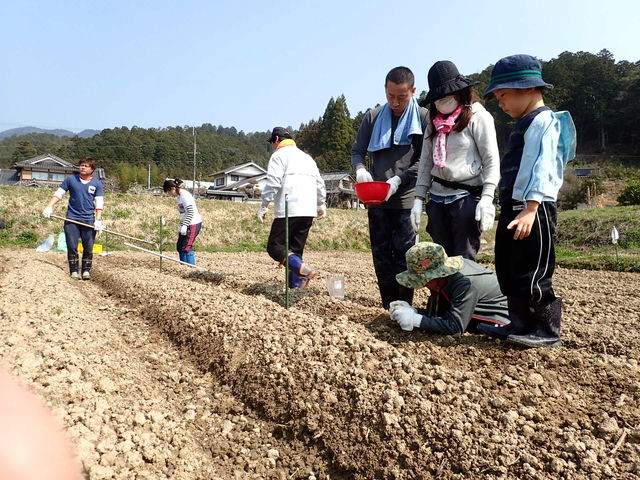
(134, 407)
(385, 404)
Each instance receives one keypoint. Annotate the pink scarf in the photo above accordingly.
(443, 126)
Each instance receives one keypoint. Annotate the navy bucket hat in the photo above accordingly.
(516, 71)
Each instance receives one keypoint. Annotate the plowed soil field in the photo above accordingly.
(179, 374)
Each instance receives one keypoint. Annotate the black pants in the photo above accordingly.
(391, 235)
(454, 226)
(525, 267)
(298, 233)
(185, 242)
(73, 233)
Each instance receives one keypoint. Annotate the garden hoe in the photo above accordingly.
(105, 230)
(166, 256)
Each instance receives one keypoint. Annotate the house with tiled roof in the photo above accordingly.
(45, 170)
(233, 177)
(340, 190)
(237, 183)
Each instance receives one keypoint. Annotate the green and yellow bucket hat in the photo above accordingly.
(426, 261)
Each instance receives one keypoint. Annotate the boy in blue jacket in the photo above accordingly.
(541, 143)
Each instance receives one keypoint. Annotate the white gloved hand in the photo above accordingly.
(407, 318)
(416, 213)
(98, 226)
(322, 211)
(362, 175)
(262, 211)
(182, 229)
(47, 212)
(394, 183)
(396, 304)
(485, 212)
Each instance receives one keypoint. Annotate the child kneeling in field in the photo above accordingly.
(541, 143)
(463, 293)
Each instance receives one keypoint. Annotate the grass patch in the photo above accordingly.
(27, 239)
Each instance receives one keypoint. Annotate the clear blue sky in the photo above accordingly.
(79, 64)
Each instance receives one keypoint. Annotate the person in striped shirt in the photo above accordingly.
(190, 219)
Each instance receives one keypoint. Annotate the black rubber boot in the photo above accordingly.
(548, 318)
(73, 262)
(520, 320)
(87, 261)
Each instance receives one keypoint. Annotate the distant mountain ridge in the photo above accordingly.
(59, 132)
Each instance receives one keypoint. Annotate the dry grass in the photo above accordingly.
(227, 226)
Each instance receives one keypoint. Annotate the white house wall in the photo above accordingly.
(248, 171)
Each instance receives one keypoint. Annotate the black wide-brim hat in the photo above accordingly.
(518, 72)
(444, 80)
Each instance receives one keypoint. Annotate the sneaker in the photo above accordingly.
(86, 275)
(74, 276)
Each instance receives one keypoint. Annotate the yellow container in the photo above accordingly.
(97, 248)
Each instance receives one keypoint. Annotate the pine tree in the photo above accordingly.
(23, 151)
(336, 136)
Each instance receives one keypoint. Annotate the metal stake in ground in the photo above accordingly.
(286, 251)
(161, 239)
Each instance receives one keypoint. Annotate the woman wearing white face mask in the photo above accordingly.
(459, 164)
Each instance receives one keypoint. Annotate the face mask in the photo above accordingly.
(446, 105)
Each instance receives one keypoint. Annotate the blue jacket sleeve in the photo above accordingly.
(549, 144)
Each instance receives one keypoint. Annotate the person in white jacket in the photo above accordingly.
(294, 176)
(459, 164)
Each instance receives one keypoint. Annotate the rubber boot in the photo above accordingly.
(520, 320)
(190, 257)
(304, 271)
(73, 263)
(548, 318)
(87, 261)
(183, 256)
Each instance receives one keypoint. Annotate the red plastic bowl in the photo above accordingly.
(372, 193)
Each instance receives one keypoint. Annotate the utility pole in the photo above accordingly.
(194, 162)
(149, 177)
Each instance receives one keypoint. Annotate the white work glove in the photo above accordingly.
(98, 226)
(394, 183)
(322, 211)
(485, 212)
(362, 175)
(47, 212)
(407, 318)
(416, 213)
(182, 229)
(396, 304)
(262, 211)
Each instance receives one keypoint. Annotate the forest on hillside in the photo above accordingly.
(602, 94)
